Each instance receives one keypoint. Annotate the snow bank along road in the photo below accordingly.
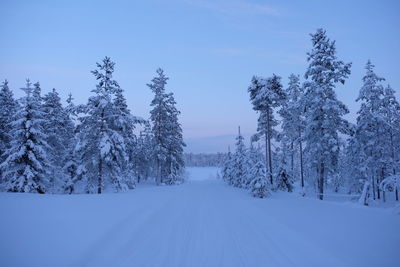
(201, 223)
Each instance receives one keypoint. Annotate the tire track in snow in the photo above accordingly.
(203, 223)
(103, 251)
(251, 248)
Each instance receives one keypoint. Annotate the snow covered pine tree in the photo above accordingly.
(227, 168)
(372, 149)
(323, 111)
(292, 112)
(60, 134)
(71, 164)
(240, 167)
(144, 162)
(265, 95)
(101, 145)
(391, 115)
(26, 164)
(259, 184)
(8, 108)
(167, 132)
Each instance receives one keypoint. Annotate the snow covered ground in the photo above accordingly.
(200, 223)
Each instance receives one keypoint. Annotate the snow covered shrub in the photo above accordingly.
(259, 186)
(284, 181)
(173, 179)
(391, 184)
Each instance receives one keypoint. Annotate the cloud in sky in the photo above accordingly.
(236, 7)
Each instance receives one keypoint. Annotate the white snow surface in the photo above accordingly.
(202, 222)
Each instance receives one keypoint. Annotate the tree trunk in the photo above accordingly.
(292, 158)
(396, 192)
(393, 153)
(100, 178)
(268, 141)
(378, 183)
(266, 155)
(301, 164)
(158, 178)
(321, 181)
(378, 191)
(373, 187)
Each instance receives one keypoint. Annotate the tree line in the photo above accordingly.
(204, 159)
(314, 144)
(46, 147)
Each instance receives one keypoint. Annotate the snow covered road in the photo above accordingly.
(200, 223)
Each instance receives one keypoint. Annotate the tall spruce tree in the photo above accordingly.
(367, 138)
(26, 164)
(240, 170)
(8, 107)
(372, 149)
(100, 144)
(228, 168)
(143, 160)
(293, 126)
(71, 164)
(174, 161)
(124, 123)
(323, 111)
(158, 118)
(60, 134)
(168, 142)
(391, 115)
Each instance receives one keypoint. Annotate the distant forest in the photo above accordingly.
(204, 159)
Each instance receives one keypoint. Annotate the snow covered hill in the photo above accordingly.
(200, 223)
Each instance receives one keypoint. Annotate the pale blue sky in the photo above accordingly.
(209, 49)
